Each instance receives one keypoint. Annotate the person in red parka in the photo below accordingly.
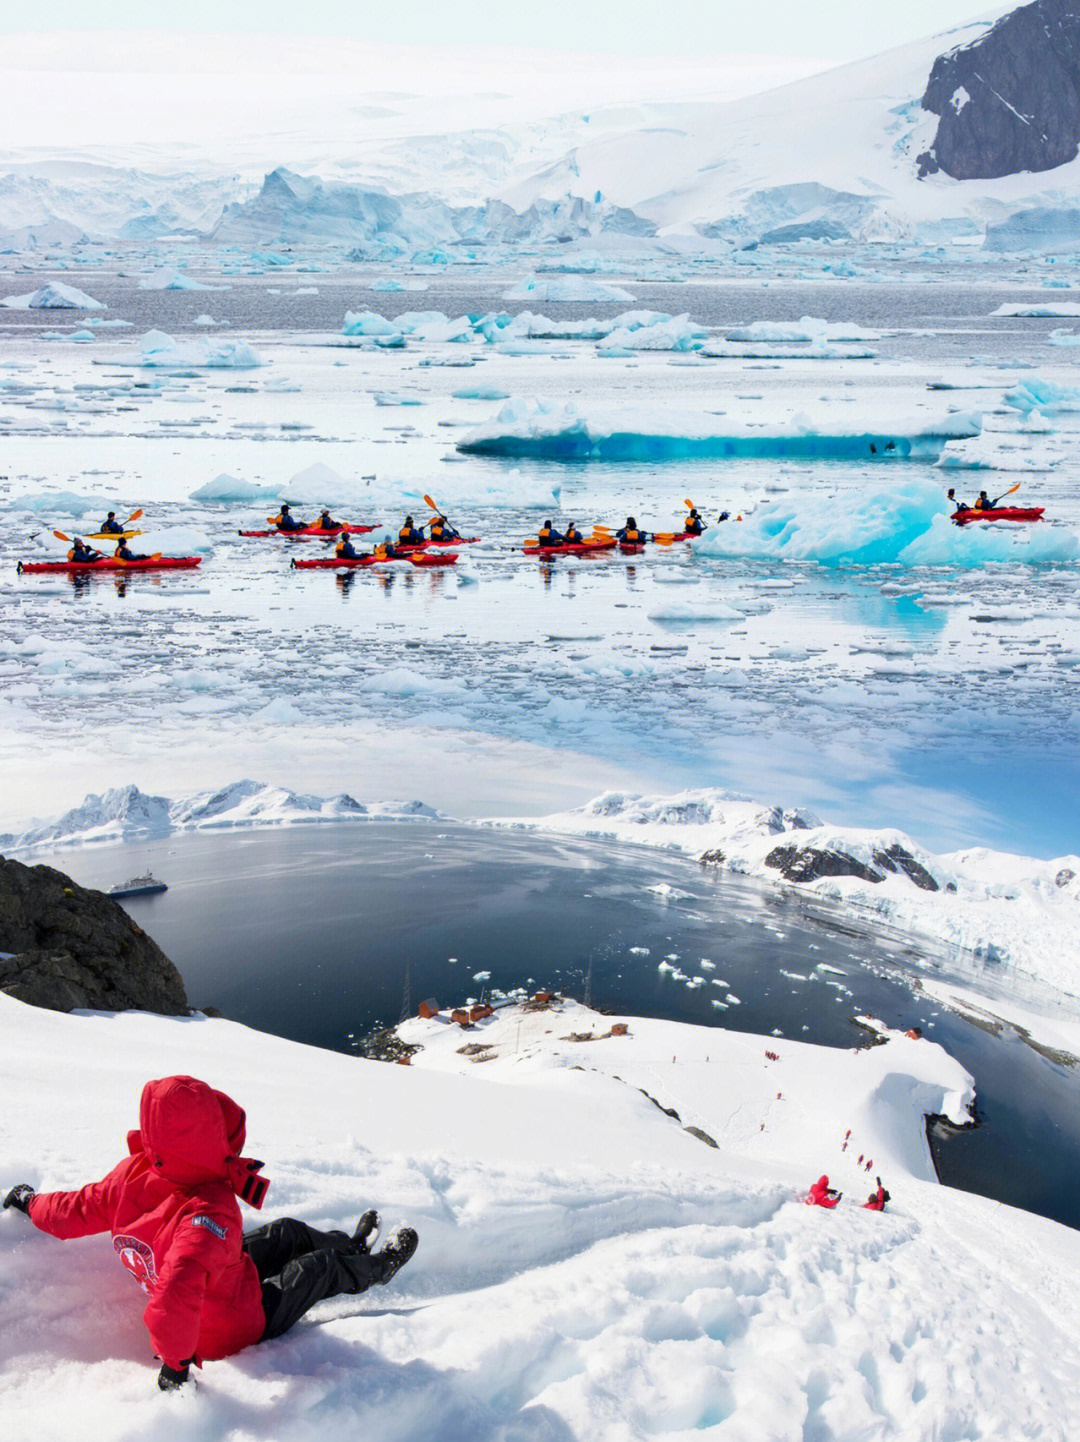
(822, 1195)
(876, 1200)
(171, 1206)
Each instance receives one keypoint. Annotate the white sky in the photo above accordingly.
(830, 30)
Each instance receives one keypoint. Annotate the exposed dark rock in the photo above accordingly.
(702, 1136)
(1064, 876)
(67, 947)
(807, 863)
(712, 858)
(1010, 100)
(897, 858)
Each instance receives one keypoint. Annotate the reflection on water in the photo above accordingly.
(311, 933)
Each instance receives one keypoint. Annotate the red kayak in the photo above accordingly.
(312, 533)
(1001, 513)
(632, 548)
(453, 541)
(416, 558)
(110, 563)
(571, 548)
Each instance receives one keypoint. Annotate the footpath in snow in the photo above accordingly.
(587, 1270)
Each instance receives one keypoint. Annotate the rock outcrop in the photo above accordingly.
(808, 863)
(64, 947)
(1010, 100)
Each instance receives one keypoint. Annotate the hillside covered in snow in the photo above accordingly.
(650, 1271)
(963, 135)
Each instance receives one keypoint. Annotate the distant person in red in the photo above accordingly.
(822, 1195)
(876, 1200)
(171, 1207)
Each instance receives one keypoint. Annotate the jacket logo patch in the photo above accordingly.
(138, 1258)
(211, 1226)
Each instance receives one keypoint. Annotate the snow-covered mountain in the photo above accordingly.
(125, 814)
(949, 136)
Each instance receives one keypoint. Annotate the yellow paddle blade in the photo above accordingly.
(1012, 488)
(429, 502)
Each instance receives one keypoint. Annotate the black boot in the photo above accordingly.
(367, 1229)
(399, 1247)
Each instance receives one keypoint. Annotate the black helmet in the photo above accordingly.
(631, 523)
(284, 505)
(548, 524)
(408, 520)
(111, 516)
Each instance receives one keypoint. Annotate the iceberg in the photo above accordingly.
(1061, 309)
(368, 322)
(163, 351)
(1046, 397)
(807, 331)
(225, 488)
(906, 524)
(176, 281)
(678, 334)
(49, 503)
(553, 431)
(53, 296)
(564, 289)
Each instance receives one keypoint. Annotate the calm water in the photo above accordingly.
(311, 933)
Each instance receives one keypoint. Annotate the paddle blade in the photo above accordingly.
(1013, 488)
(688, 504)
(60, 536)
(135, 516)
(430, 503)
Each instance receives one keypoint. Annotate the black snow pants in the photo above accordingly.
(299, 1266)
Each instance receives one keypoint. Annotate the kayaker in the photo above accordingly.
(82, 553)
(409, 535)
(440, 529)
(958, 506)
(386, 550)
(984, 503)
(549, 536)
(344, 550)
(285, 521)
(124, 552)
(110, 526)
(723, 516)
(326, 523)
(693, 525)
(573, 536)
(629, 535)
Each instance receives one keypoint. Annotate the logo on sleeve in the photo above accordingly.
(202, 1220)
(138, 1258)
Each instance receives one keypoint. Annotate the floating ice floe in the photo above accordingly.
(808, 330)
(53, 296)
(1034, 393)
(997, 453)
(559, 431)
(165, 352)
(565, 289)
(225, 488)
(1040, 309)
(49, 503)
(677, 334)
(165, 280)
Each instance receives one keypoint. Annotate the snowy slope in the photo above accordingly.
(614, 1279)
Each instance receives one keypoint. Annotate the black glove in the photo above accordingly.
(171, 1379)
(19, 1197)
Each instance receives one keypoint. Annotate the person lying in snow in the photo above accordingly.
(822, 1195)
(876, 1200)
(171, 1206)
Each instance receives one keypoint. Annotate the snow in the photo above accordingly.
(53, 296)
(620, 1278)
(565, 289)
(561, 431)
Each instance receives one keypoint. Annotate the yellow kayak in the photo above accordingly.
(110, 535)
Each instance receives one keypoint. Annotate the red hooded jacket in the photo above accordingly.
(171, 1208)
(819, 1194)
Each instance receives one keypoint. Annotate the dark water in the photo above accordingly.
(311, 932)
(955, 305)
